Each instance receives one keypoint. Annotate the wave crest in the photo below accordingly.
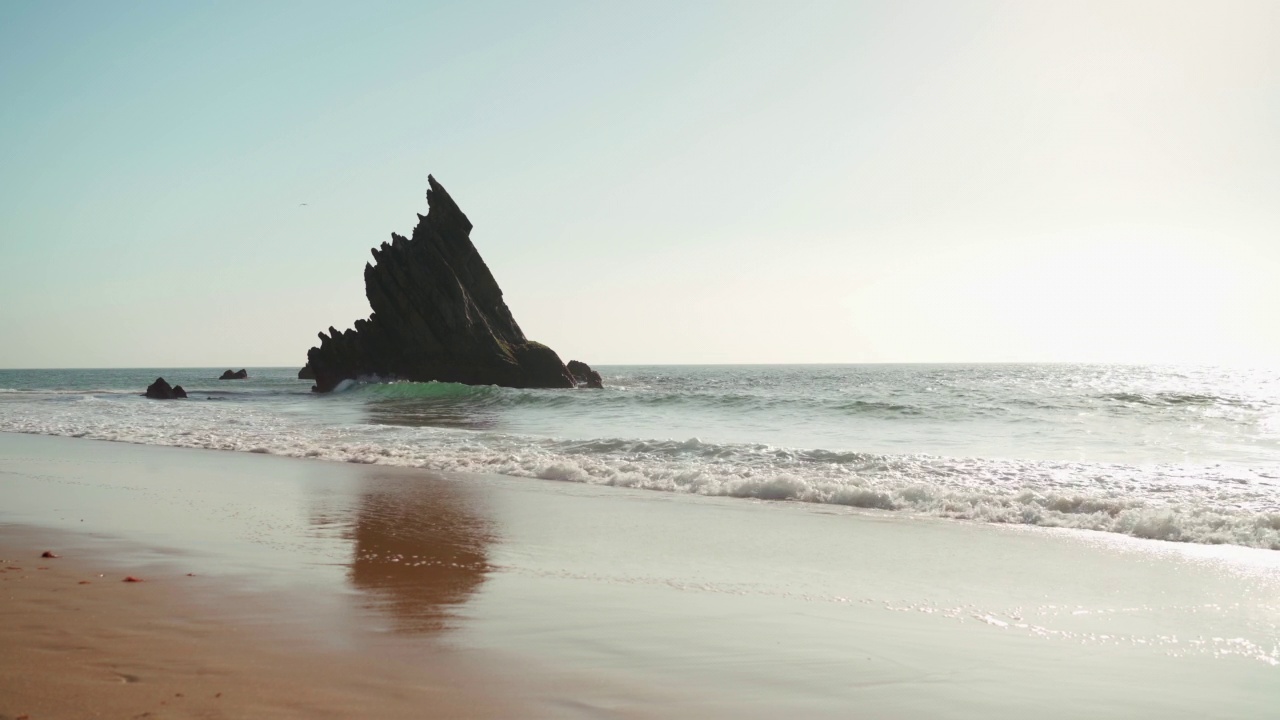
(1186, 504)
(1172, 399)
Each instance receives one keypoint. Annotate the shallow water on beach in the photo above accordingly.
(578, 600)
(1174, 453)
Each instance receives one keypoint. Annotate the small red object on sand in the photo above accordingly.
(49, 554)
(130, 578)
(84, 582)
(191, 574)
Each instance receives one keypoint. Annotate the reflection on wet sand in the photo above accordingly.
(420, 549)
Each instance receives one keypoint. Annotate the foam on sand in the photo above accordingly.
(1173, 502)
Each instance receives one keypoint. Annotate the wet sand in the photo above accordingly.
(81, 642)
(337, 590)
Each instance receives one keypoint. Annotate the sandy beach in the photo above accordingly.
(276, 587)
(82, 642)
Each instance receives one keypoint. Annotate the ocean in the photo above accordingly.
(1189, 454)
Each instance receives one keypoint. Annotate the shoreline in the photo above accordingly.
(1208, 548)
(586, 601)
(1181, 522)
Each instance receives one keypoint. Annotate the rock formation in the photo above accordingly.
(241, 374)
(583, 375)
(306, 374)
(438, 314)
(160, 390)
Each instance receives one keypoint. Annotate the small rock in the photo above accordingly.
(584, 376)
(49, 554)
(161, 390)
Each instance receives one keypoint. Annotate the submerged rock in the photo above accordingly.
(583, 375)
(160, 390)
(240, 374)
(438, 314)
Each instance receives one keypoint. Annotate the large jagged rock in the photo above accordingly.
(438, 314)
(241, 374)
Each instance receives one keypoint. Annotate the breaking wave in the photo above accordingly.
(1200, 504)
(1166, 399)
(1169, 454)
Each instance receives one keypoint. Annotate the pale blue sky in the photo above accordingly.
(652, 182)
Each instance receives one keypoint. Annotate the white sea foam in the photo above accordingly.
(1177, 502)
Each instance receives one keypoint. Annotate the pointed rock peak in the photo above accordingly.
(443, 209)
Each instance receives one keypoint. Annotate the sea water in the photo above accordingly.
(1187, 454)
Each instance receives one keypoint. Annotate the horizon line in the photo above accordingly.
(1183, 363)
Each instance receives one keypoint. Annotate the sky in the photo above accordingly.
(691, 182)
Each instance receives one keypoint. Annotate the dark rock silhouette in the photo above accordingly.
(583, 375)
(160, 390)
(306, 374)
(241, 374)
(438, 314)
